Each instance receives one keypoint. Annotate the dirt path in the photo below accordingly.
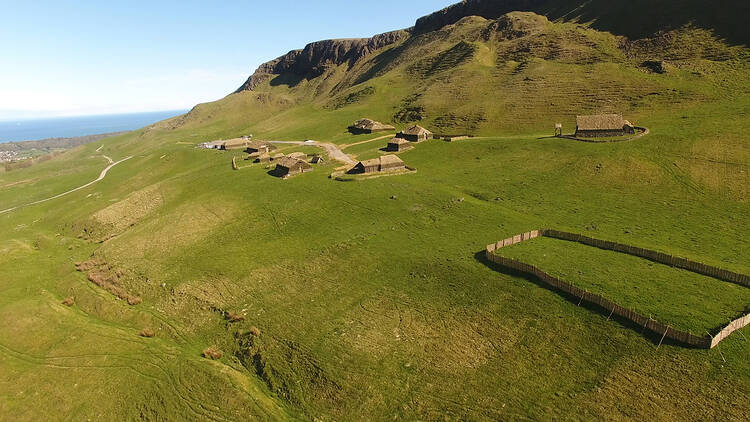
(101, 176)
(333, 150)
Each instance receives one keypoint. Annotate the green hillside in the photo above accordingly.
(371, 299)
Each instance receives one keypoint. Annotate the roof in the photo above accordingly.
(236, 141)
(298, 155)
(260, 144)
(371, 162)
(369, 124)
(398, 141)
(390, 159)
(415, 130)
(600, 122)
(289, 162)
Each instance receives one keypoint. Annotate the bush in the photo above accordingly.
(70, 301)
(255, 331)
(147, 332)
(232, 317)
(213, 353)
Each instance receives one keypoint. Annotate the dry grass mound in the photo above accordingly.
(213, 353)
(233, 317)
(147, 332)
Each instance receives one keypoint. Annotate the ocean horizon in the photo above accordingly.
(70, 127)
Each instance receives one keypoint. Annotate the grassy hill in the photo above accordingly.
(370, 298)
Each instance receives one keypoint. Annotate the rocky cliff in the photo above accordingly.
(313, 60)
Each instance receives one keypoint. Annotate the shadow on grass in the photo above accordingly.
(651, 336)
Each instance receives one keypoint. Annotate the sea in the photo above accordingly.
(70, 127)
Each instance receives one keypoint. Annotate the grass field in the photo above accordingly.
(371, 297)
(683, 299)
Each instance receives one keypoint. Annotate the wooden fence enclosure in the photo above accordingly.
(612, 308)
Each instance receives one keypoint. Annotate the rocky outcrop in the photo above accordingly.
(313, 60)
(489, 9)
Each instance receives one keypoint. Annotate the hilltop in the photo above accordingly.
(190, 284)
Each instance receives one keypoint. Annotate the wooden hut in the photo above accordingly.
(317, 159)
(289, 166)
(415, 133)
(397, 145)
(369, 126)
(602, 126)
(262, 147)
(298, 155)
(375, 165)
(391, 163)
(263, 158)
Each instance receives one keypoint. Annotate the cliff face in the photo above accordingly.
(313, 60)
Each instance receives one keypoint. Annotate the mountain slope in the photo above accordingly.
(517, 72)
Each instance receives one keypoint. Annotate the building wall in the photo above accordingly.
(598, 133)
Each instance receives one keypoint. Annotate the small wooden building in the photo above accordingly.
(397, 145)
(238, 143)
(415, 133)
(602, 126)
(391, 163)
(369, 126)
(317, 159)
(289, 166)
(262, 147)
(263, 158)
(298, 155)
(375, 165)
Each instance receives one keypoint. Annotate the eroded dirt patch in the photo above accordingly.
(109, 279)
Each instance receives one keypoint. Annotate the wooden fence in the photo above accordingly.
(665, 331)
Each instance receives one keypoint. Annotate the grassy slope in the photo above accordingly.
(372, 305)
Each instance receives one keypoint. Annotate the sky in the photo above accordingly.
(71, 58)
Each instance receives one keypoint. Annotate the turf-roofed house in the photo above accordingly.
(603, 126)
(363, 126)
(415, 133)
(385, 163)
(291, 166)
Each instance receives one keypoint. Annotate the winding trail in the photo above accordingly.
(101, 176)
(333, 150)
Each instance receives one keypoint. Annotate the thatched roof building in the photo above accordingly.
(263, 158)
(384, 163)
(237, 143)
(369, 126)
(397, 145)
(415, 133)
(602, 126)
(263, 147)
(289, 166)
(298, 155)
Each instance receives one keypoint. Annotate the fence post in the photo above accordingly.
(662, 338)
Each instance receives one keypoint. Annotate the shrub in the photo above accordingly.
(255, 331)
(147, 332)
(70, 301)
(213, 353)
(232, 317)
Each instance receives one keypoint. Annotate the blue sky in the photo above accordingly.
(62, 58)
